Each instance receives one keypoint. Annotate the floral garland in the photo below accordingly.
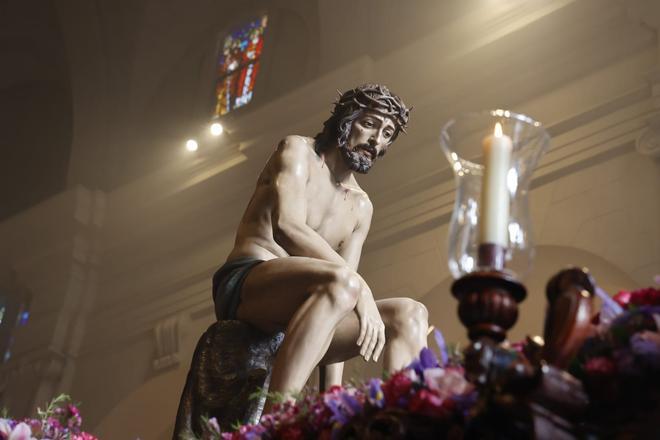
(431, 396)
(60, 420)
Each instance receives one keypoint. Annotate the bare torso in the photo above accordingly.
(333, 210)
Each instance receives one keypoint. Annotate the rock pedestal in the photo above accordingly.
(228, 378)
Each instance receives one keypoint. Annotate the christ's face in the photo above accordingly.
(371, 134)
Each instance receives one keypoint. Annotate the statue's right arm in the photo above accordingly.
(289, 168)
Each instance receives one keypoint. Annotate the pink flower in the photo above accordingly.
(83, 436)
(21, 432)
(427, 403)
(446, 382)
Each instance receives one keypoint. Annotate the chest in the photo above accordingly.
(331, 211)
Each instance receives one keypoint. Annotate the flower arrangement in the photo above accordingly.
(60, 420)
(428, 398)
(431, 398)
(621, 363)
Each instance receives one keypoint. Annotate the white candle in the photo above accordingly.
(494, 194)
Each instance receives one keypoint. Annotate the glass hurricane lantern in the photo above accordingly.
(487, 275)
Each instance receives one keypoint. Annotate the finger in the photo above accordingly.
(363, 331)
(372, 343)
(367, 340)
(381, 343)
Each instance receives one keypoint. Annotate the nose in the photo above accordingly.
(376, 138)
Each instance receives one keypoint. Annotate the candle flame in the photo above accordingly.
(498, 130)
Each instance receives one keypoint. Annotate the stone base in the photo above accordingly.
(232, 362)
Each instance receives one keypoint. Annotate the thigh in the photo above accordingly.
(344, 343)
(275, 289)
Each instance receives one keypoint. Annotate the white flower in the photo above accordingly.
(21, 432)
(5, 429)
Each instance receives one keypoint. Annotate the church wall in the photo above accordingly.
(594, 200)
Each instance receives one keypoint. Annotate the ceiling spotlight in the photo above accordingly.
(191, 145)
(216, 129)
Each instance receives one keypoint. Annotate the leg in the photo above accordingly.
(406, 326)
(330, 375)
(307, 296)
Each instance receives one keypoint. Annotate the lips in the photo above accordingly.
(368, 151)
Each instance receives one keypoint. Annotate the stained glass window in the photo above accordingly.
(13, 314)
(238, 66)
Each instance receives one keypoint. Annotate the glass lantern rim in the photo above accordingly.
(498, 113)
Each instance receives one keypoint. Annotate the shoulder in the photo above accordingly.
(293, 151)
(293, 154)
(296, 145)
(365, 207)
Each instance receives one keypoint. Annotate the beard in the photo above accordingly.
(355, 159)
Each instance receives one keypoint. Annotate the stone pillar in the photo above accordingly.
(53, 249)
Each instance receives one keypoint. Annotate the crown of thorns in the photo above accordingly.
(374, 97)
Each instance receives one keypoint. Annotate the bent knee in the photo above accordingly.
(342, 287)
(408, 315)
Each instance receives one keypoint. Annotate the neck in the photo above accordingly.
(335, 162)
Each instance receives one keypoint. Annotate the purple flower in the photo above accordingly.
(53, 428)
(342, 404)
(351, 403)
(440, 341)
(646, 346)
(426, 360)
(625, 361)
(375, 394)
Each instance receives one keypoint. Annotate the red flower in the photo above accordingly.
(601, 366)
(397, 388)
(642, 297)
(623, 298)
(291, 432)
(427, 403)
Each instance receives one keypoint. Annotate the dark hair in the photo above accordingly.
(351, 104)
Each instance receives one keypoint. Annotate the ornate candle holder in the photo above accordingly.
(487, 274)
